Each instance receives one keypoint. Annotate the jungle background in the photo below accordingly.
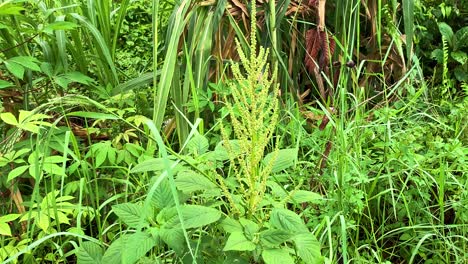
(233, 131)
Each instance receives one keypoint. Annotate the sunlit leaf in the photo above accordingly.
(238, 242)
(277, 256)
(131, 214)
(190, 181)
(9, 118)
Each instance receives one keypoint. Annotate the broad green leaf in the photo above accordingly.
(5, 84)
(461, 74)
(129, 213)
(277, 256)
(42, 221)
(285, 158)
(162, 197)
(198, 144)
(303, 196)
(100, 157)
(461, 38)
(16, 172)
(9, 217)
(190, 181)
(5, 229)
(438, 55)
(174, 238)
(308, 248)
(55, 159)
(460, 57)
(47, 69)
(53, 169)
(9, 118)
(113, 253)
(94, 115)
(89, 253)
(287, 220)
(230, 225)
(136, 247)
(29, 116)
(16, 69)
(194, 216)
(222, 153)
(27, 62)
(154, 164)
(274, 237)
(8, 8)
(238, 242)
(250, 227)
(447, 32)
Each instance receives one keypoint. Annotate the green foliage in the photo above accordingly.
(141, 132)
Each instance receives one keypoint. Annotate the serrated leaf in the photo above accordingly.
(16, 69)
(174, 238)
(238, 242)
(190, 181)
(198, 144)
(153, 164)
(5, 84)
(250, 227)
(130, 214)
(9, 118)
(136, 246)
(287, 220)
(162, 197)
(89, 253)
(277, 256)
(221, 152)
(194, 216)
(230, 225)
(303, 196)
(113, 253)
(285, 158)
(274, 237)
(308, 248)
(16, 172)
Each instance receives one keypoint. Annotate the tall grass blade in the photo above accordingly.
(102, 49)
(162, 93)
(408, 19)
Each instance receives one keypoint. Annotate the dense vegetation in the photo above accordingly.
(233, 131)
